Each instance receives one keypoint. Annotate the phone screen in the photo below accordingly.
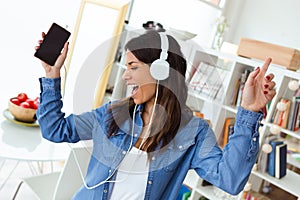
(52, 45)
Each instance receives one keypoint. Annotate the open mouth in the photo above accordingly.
(133, 88)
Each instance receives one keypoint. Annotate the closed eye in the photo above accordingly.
(133, 68)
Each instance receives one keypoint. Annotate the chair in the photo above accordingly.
(60, 185)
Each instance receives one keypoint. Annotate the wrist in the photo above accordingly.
(250, 108)
(53, 74)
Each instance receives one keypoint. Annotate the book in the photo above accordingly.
(197, 80)
(272, 155)
(292, 108)
(235, 92)
(285, 114)
(280, 117)
(228, 130)
(243, 80)
(208, 80)
(280, 160)
(295, 116)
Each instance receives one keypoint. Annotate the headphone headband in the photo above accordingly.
(160, 68)
(164, 45)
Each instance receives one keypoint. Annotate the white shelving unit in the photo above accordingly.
(235, 66)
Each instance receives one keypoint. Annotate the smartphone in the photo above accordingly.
(52, 44)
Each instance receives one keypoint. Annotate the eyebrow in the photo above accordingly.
(131, 62)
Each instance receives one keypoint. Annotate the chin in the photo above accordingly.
(137, 101)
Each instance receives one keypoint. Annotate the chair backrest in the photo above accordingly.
(70, 179)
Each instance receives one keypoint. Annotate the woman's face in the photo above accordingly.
(137, 76)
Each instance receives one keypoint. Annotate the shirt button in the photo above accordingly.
(109, 171)
(254, 139)
(123, 152)
(180, 147)
(149, 182)
(153, 158)
(135, 135)
(105, 191)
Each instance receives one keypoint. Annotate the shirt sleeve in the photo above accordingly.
(55, 126)
(229, 169)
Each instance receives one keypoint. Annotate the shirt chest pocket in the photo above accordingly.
(175, 155)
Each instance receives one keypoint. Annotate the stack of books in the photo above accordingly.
(277, 159)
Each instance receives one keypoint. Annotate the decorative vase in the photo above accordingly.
(218, 40)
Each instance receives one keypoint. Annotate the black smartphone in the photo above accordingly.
(52, 44)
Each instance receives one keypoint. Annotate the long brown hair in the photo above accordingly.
(172, 92)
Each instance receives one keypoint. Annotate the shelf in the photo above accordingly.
(207, 191)
(295, 134)
(289, 183)
(232, 109)
(202, 97)
(121, 65)
(293, 161)
(191, 179)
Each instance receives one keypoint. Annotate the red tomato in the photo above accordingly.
(22, 97)
(30, 101)
(37, 99)
(35, 105)
(25, 104)
(15, 101)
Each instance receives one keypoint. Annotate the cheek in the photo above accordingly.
(148, 90)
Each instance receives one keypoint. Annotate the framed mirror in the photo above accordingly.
(92, 52)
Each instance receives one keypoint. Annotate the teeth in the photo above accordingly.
(133, 88)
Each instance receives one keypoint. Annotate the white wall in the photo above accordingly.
(21, 25)
(23, 21)
(189, 15)
(268, 20)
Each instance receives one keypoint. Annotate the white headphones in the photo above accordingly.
(159, 69)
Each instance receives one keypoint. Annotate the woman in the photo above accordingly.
(144, 145)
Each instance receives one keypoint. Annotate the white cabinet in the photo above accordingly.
(223, 108)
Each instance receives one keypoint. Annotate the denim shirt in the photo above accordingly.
(194, 147)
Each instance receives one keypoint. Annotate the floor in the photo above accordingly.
(23, 169)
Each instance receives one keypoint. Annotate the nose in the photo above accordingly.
(126, 75)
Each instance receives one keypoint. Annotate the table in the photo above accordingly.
(22, 143)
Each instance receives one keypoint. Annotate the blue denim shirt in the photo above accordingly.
(194, 147)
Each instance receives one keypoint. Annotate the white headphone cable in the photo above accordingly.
(151, 117)
(107, 179)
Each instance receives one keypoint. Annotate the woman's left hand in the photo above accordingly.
(259, 89)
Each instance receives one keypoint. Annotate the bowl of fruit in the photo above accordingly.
(23, 108)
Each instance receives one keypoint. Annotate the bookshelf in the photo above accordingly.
(235, 67)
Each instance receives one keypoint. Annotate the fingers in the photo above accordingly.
(269, 77)
(65, 50)
(269, 94)
(40, 41)
(269, 85)
(265, 67)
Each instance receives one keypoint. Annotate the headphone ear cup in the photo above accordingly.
(159, 69)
